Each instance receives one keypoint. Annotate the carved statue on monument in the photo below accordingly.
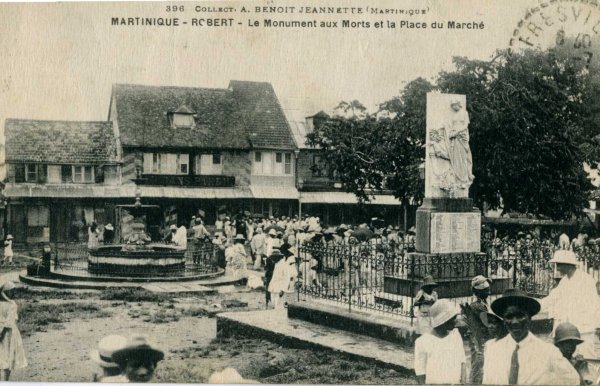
(449, 153)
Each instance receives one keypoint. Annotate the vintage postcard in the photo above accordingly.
(309, 192)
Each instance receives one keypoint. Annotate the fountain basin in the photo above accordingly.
(134, 260)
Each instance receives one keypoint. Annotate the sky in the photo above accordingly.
(59, 60)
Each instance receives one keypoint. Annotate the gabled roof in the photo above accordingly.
(59, 141)
(183, 109)
(265, 121)
(247, 115)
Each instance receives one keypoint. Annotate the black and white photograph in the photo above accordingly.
(314, 192)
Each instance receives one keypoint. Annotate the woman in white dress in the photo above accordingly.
(12, 354)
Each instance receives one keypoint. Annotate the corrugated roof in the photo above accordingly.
(59, 141)
(244, 116)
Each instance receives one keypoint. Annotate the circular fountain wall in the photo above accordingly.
(137, 260)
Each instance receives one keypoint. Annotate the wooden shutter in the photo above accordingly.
(66, 172)
(20, 173)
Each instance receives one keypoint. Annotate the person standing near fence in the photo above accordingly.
(8, 251)
(93, 236)
(477, 331)
(575, 300)
(425, 299)
(440, 355)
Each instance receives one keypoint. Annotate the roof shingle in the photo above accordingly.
(244, 116)
(59, 142)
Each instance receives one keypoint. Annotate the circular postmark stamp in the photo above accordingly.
(571, 24)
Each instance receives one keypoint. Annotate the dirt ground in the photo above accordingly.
(60, 328)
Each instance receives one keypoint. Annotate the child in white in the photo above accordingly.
(8, 252)
(440, 355)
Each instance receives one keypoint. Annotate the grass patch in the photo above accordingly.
(267, 362)
(135, 294)
(38, 317)
(29, 294)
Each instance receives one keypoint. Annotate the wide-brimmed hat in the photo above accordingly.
(109, 227)
(515, 297)
(567, 331)
(276, 252)
(173, 227)
(240, 237)
(486, 317)
(106, 347)
(9, 237)
(429, 282)
(480, 282)
(442, 311)
(137, 346)
(563, 256)
(272, 232)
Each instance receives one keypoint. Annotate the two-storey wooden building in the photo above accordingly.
(61, 175)
(212, 149)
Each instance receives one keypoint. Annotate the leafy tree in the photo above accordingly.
(526, 131)
(350, 150)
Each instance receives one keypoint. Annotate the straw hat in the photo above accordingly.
(567, 331)
(106, 347)
(480, 282)
(109, 227)
(429, 282)
(272, 232)
(441, 312)
(515, 297)
(240, 237)
(173, 227)
(137, 346)
(563, 256)
(9, 237)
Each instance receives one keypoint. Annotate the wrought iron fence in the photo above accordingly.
(385, 278)
(73, 258)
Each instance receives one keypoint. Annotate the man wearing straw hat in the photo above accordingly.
(440, 355)
(103, 356)
(478, 332)
(137, 360)
(521, 358)
(575, 300)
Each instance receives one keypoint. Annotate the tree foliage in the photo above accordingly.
(534, 120)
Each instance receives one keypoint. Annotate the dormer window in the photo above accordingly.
(182, 117)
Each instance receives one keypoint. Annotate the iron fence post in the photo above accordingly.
(350, 284)
(411, 286)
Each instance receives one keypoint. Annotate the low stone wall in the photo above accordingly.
(355, 321)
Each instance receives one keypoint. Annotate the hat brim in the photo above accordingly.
(560, 261)
(531, 306)
(444, 319)
(123, 355)
(486, 317)
(576, 339)
(95, 356)
(432, 284)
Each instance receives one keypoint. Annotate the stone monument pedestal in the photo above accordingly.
(448, 227)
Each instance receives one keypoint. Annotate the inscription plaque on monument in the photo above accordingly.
(455, 232)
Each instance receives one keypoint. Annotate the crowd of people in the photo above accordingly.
(503, 350)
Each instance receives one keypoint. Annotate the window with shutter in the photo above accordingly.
(20, 173)
(66, 172)
(99, 174)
